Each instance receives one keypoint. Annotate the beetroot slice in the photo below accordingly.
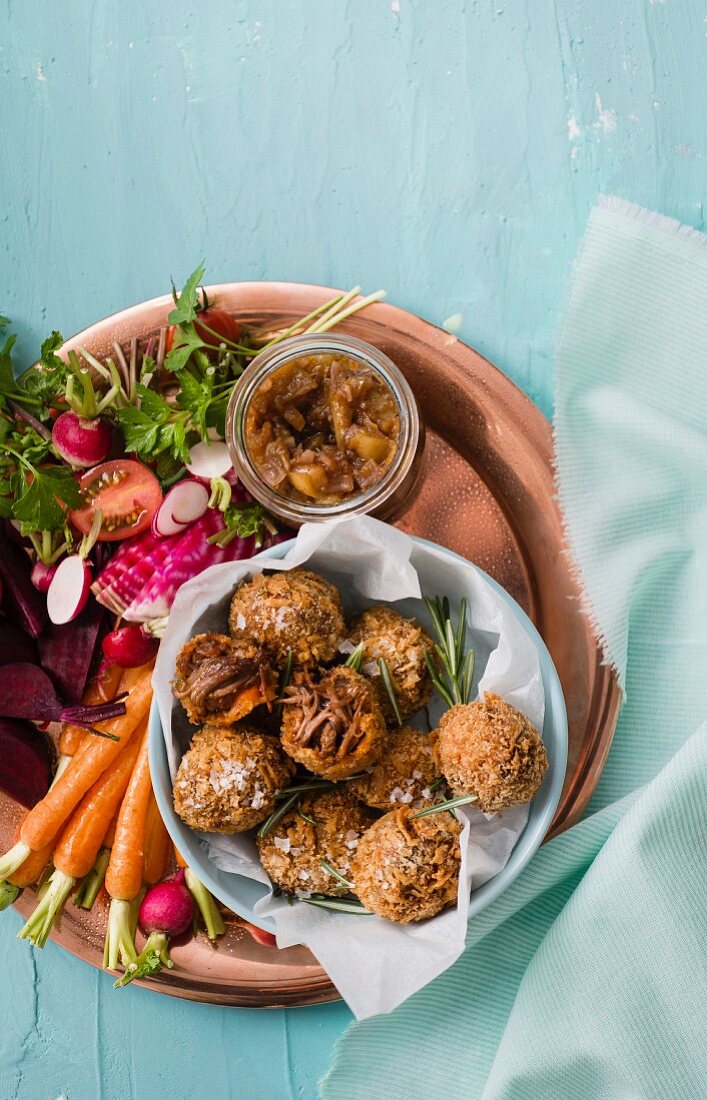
(23, 602)
(66, 651)
(26, 762)
(16, 645)
(27, 692)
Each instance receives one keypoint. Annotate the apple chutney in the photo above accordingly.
(323, 427)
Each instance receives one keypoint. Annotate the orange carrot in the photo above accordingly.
(94, 755)
(29, 871)
(158, 845)
(99, 690)
(110, 831)
(124, 874)
(181, 862)
(84, 834)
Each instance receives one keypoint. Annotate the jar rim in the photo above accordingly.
(269, 360)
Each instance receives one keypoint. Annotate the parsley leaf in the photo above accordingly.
(186, 343)
(154, 428)
(244, 520)
(187, 303)
(43, 504)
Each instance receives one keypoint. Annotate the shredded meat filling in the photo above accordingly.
(330, 722)
(218, 679)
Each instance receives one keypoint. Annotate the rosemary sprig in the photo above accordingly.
(450, 804)
(335, 874)
(278, 814)
(455, 682)
(316, 785)
(390, 689)
(355, 657)
(340, 905)
(305, 817)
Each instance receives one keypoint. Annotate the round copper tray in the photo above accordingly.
(488, 494)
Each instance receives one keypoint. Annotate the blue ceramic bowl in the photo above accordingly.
(240, 894)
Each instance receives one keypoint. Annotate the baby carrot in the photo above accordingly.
(91, 883)
(124, 874)
(29, 871)
(102, 688)
(125, 867)
(93, 757)
(78, 846)
(158, 846)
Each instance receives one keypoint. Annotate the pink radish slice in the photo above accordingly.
(69, 589)
(207, 460)
(184, 504)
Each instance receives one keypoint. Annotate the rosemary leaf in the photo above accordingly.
(339, 905)
(284, 682)
(355, 657)
(450, 804)
(390, 689)
(305, 817)
(277, 815)
(335, 874)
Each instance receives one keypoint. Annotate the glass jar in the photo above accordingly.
(389, 497)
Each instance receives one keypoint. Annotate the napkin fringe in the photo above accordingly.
(652, 220)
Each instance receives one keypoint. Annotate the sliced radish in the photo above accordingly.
(185, 503)
(69, 589)
(42, 575)
(207, 460)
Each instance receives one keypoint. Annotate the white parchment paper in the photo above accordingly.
(374, 964)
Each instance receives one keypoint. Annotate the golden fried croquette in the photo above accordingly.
(403, 775)
(406, 868)
(227, 780)
(403, 644)
(332, 723)
(221, 681)
(490, 749)
(296, 611)
(292, 851)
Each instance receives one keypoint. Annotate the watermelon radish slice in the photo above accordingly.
(69, 589)
(185, 503)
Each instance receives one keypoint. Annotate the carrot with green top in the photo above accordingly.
(94, 756)
(125, 866)
(78, 846)
(158, 845)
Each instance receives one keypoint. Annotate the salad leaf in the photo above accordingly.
(187, 303)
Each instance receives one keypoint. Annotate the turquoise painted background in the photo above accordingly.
(447, 151)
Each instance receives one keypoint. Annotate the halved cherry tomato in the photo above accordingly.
(223, 324)
(127, 493)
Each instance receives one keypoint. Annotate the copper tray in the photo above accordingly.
(488, 494)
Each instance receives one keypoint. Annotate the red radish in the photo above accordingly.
(259, 934)
(166, 910)
(27, 692)
(26, 762)
(42, 575)
(20, 597)
(207, 460)
(69, 589)
(184, 504)
(80, 441)
(129, 647)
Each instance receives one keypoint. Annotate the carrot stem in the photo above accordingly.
(120, 938)
(13, 859)
(8, 894)
(92, 882)
(39, 925)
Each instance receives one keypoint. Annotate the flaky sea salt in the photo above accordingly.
(351, 839)
(304, 875)
(240, 620)
(283, 843)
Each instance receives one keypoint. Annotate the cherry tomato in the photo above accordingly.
(127, 493)
(223, 324)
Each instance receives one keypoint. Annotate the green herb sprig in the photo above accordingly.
(455, 682)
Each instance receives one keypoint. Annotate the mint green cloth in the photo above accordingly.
(585, 981)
